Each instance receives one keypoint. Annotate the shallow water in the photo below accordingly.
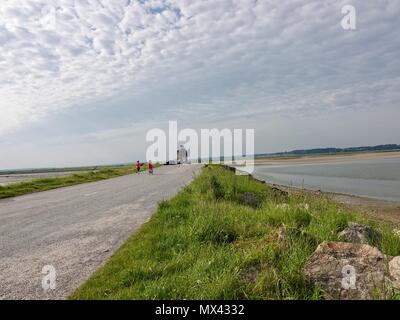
(378, 179)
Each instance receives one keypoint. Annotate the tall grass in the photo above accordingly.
(207, 243)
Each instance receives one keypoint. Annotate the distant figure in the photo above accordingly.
(182, 155)
(150, 165)
(137, 167)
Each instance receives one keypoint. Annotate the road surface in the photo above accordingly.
(75, 229)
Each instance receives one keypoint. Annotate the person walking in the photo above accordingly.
(150, 166)
(138, 167)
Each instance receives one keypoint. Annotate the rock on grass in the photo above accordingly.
(352, 271)
(278, 194)
(359, 233)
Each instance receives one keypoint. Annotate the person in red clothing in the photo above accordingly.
(150, 165)
(137, 167)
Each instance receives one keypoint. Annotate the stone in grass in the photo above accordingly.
(250, 274)
(359, 233)
(279, 194)
(352, 271)
(394, 271)
(250, 199)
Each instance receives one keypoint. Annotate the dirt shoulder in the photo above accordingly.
(380, 209)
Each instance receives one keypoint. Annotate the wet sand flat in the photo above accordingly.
(373, 175)
(15, 178)
(328, 158)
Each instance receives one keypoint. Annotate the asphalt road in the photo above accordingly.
(75, 229)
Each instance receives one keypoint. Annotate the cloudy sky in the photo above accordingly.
(82, 81)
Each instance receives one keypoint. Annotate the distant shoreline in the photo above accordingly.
(332, 151)
(326, 158)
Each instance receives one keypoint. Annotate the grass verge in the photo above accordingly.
(43, 184)
(219, 238)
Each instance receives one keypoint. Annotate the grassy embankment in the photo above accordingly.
(43, 184)
(212, 242)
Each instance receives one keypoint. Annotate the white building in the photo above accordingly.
(182, 155)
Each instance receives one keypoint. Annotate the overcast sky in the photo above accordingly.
(82, 81)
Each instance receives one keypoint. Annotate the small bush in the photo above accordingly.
(216, 188)
(164, 204)
(278, 195)
(301, 218)
(250, 199)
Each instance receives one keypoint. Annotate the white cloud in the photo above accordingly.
(265, 57)
(59, 53)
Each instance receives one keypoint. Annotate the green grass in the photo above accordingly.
(43, 184)
(208, 243)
